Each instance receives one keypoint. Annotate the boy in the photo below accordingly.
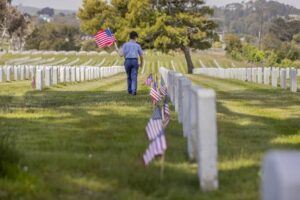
(132, 51)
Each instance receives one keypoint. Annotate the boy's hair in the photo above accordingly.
(133, 35)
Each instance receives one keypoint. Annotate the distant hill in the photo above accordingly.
(33, 10)
(246, 18)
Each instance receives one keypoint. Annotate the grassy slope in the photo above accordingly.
(252, 119)
(151, 60)
(85, 141)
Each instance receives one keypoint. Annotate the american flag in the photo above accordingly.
(163, 88)
(105, 38)
(33, 83)
(155, 94)
(155, 125)
(157, 147)
(149, 80)
(166, 112)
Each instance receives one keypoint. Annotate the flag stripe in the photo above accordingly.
(104, 38)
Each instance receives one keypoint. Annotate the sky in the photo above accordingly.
(75, 4)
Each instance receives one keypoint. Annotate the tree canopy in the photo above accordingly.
(12, 24)
(53, 36)
(162, 24)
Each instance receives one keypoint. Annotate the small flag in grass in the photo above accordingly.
(166, 112)
(149, 80)
(154, 93)
(155, 125)
(33, 83)
(163, 88)
(156, 148)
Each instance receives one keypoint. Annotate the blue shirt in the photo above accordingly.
(132, 49)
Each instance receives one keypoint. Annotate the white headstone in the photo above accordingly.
(293, 77)
(288, 73)
(281, 176)
(77, 74)
(27, 72)
(259, 75)
(266, 75)
(8, 73)
(176, 90)
(274, 77)
(207, 139)
(62, 72)
(185, 107)
(249, 74)
(283, 79)
(1, 74)
(73, 74)
(192, 135)
(22, 74)
(82, 74)
(68, 78)
(182, 85)
(47, 77)
(16, 73)
(254, 75)
(39, 79)
(55, 75)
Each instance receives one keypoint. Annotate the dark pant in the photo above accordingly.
(132, 67)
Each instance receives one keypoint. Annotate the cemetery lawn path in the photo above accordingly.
(85, 141)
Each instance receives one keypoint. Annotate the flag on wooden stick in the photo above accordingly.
(155, 125)
(163, 88)
(166, 112)
(155, 94)
(156, 148)
(149, 80)
(33, 85)
(105, 38)
(156, 135)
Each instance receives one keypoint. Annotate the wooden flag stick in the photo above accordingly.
(116, 46)
(162, 159)
(162, 167)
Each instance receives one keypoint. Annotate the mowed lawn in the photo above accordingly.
(86, 141)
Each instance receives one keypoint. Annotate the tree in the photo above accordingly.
(52, 36)
(162, 24)
(12, 24)
(232, 42)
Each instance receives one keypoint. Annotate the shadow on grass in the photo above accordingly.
(91, 146)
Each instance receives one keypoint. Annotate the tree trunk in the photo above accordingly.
(188, 59)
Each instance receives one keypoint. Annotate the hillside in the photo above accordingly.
(33, 10)
(247, 17)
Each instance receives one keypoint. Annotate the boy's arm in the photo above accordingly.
(142, 61)
(119, 51)
(141, 53)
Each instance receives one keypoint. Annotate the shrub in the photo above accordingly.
(286, 63)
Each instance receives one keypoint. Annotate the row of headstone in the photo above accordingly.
(16, 73)
(196, 109)
(267, 75)
(53, 75)
(78, 53)
(58, 73)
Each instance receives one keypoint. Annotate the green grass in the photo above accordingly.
(151, 59)
(85, 141)
(252, 119)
